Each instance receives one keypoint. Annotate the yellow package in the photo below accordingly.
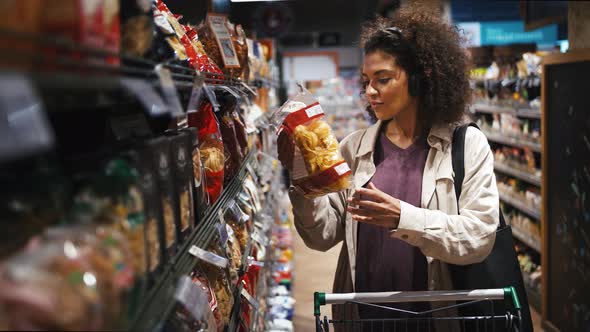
(318, 166)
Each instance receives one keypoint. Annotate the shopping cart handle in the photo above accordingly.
(508, 294)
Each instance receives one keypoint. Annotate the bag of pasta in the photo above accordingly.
(318, 167)
(210, 147)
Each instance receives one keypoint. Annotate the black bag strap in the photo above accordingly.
(458, 155)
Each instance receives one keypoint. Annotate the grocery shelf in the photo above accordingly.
(520, 206)
(493, 109)
(498, 138)
(527, 238)
(521, 175)
(160, 301)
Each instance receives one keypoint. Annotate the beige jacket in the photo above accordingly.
(435, 227)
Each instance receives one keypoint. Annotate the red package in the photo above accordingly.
(203, 63)
(211, 149)
(112, 29)
(80, 20)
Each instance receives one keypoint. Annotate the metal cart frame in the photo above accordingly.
(510, 321)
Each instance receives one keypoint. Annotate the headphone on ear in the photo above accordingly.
(413, 78)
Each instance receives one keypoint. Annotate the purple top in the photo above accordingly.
(384, 263)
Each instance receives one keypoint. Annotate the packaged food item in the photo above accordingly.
(200, 279)
(122, 181)
(204, 63)
(237, 220)
(20, 16)
(217, 42)
(142, 159)
(210, 147)
(240, 129)
(234, 253)
(163, 163)
(180, 148)
(199, 194)
(192, 312)
(112, 29)
(109, 255)
(167, 46)
(137, 27)
(238, 37)
(233, 152)
(80, 20)
(52, 288)
(318, 167)
(219, 278)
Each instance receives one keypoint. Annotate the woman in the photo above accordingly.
(400, 224)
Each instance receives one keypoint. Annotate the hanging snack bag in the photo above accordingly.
(167, 46)
(240, 128)
(318, 167)
(163, 164)
(148, 185)
(137, 27)
(210, 147)
(233, 152)
(199, 193)
(181, 154)
(191, 312)
(204, 63)
(201, 281)
(217, 42)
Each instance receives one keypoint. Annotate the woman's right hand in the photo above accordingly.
(286, 150)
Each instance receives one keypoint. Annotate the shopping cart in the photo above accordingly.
(501, 310)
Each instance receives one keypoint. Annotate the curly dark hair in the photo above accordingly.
(430, 49)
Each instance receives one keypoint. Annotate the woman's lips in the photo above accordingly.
(376, 104)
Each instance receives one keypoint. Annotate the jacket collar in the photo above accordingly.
(439, 137)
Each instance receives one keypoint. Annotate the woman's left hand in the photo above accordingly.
(381, 209)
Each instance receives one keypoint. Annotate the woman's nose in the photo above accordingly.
(370, 91)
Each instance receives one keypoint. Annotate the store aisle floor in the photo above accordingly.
(314, 271)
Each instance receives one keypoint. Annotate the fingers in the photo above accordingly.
(368, 193)
(371, 205)
(363, 212)
(378, 221)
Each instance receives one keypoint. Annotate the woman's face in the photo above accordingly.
(386, 85)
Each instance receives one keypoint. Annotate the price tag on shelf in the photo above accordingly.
(223, 235)
(24, 127)
(169, 90)
(249, 298)
(230, 90)
(146, 94)
(210, 93)
(249, 89)
(196, 92)
(209, 257)
(221, 216)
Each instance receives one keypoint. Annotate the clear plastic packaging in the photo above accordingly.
(211, 148)
(318, 167)
(53, 287)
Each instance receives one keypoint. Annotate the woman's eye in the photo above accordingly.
(364, 84)
(383, 80)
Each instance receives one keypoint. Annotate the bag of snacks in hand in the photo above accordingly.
(318, 167)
